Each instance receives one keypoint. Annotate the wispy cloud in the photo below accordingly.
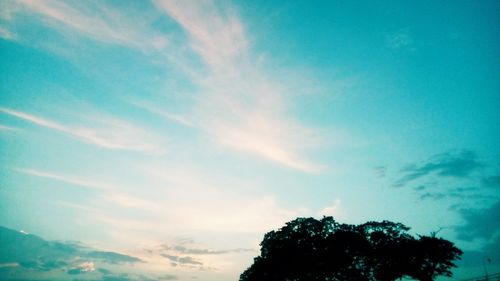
(110, 133)
(66, 179)
(96, 21)
(332, 210)
(6, 34)
(400, 39)
(170, 116)
(183, 260)
(8, 128)
(181, 249)
(239, 106)
(191, 254)
(454, 164)
(129, 201)
(449, 176)
(217, 34)
(111, 193)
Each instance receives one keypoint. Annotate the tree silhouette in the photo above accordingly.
(307, 249)
(431, 257)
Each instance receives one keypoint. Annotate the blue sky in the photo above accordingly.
(178, 132)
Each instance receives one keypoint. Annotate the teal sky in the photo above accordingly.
(179, 132)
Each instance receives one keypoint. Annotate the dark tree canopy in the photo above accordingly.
(307, 249)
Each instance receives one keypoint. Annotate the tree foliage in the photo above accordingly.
(307, 249)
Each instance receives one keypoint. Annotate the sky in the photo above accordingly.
(161, 140)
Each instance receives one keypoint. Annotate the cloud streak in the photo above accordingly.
(455, 164)
(113, 134)
(170, 116)
(216, 34)
(111, 194)
(198, 251)
(6, 34)
(97, 22)
(66, 179)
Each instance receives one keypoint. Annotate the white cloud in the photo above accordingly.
(239, 106)
(129, 201)
(87, 266)
(332, 210)
(170, 116)
(67, 179)
(111, 192)
(216, 35)
(400, 39)
(107, 133)
(6, 34)
(8, 128)
(98, 22)
(9, 264)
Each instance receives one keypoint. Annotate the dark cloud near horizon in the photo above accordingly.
(480, 223)
(33, 254)
(75, 271)
(104, 271)
(381, 171)
(490, 250)
(492, 181)
(184, 260)
(180, 255)
(420, 188)
(455, 164)
(181, 249)
(167, 277)
(121, 277)
(189, 260)
(433, 196)
(170, 257)
(198, 251)
(112, 257)
(459, 193)
(456, 175)
(109, 276)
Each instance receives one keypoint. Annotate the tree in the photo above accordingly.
(307, 249)
(389, 242)
(432, 257)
